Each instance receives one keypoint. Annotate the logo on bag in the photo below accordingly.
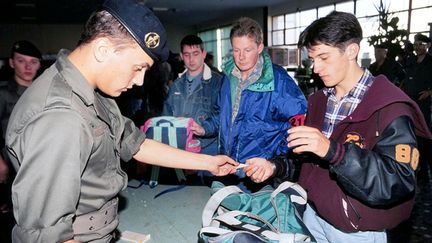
(357, 139)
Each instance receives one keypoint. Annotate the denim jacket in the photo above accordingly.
(198, 105)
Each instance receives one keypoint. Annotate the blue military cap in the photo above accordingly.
(142, 24)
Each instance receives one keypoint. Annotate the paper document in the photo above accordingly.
(240, 166)
(134, 237)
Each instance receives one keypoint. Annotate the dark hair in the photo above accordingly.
(191, 40)
(247, 27)
(103, 24)
(337, 29)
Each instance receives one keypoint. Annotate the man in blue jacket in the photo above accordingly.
(257, 102)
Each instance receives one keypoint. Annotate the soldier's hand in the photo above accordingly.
(223, 165)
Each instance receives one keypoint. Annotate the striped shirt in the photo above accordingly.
(337, 110)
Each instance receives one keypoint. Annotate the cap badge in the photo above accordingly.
(152, 40)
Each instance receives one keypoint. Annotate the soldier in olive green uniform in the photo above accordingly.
(25, 62)
(66, 135)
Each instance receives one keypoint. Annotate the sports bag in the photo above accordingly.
(269, 215)
(173, 131)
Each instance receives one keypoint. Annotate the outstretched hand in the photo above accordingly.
(223, 165)
(258, 169)
(308, 139)
(197, 129)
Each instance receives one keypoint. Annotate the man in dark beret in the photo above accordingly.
(418, 86)
(386, 66)
(25, 63)
(66, 135)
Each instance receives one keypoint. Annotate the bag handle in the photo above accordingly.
(299, 196)
(164, 121)
(214, 202)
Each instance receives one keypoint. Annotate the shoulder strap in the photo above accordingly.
(214, 202)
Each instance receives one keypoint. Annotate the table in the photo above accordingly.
(172, 217)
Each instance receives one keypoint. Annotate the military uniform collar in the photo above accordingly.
(80, 85)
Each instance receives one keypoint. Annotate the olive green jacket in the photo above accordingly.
(66, 140)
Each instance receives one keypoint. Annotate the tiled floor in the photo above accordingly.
(418, 229)
(422, 214)
(172, 217)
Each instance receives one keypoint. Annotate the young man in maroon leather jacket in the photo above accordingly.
(358, 145)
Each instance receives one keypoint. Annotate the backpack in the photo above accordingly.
(269, 215)
(173, 131)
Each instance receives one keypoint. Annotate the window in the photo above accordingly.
(399, 5)
(420, 19)
(367, 14)
(421, 3)
(217, 42)
(323, 11)
(307, 17)
(366, 7)
(345, 7)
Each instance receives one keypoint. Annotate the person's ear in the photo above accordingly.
(102, 49)
(352, 51)
(11, 64)
(260, 48)
(204, 53)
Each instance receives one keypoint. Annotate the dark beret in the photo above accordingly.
(422, 38)
(381, 46)
(142, 24)
(25, 48)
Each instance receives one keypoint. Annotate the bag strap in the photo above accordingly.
(157, 136)
(230, 219)
(173, 142)
(214, 202)
(296, 193)
(172, 138)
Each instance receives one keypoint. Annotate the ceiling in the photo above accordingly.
(181, 12)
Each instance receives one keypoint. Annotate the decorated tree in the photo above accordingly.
(389, 35)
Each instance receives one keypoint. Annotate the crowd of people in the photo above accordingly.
(358, 146)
